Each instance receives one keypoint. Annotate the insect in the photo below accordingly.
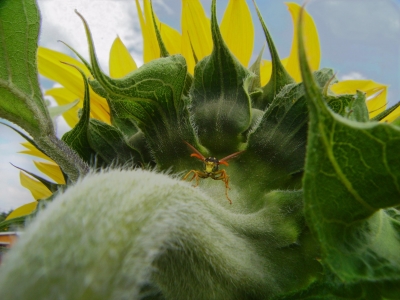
(211, 170)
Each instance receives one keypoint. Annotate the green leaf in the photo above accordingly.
(255, 82)
(275, 154)
(352, 107)
(127, 126)
(163, 49)
(220, 102)
(14, 221)
(276, 149)
(152, 97)
(56, 111)
(279, 76)
(21, 100)
(351, 173)
(77, 138)
(108, 142)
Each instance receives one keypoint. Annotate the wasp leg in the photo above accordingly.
(221, 175)
(197, 175)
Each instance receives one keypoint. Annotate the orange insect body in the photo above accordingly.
(211, 169)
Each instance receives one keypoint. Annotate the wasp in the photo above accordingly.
(211, 170)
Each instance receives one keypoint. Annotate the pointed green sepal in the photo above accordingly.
(152, 97)
(279, 76)
(220, 102)
(255, 82)
(77, 138)
(385, 113)
(161, 45)
(109, 143)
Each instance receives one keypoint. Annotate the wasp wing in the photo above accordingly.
(233, 155)
(199, 155)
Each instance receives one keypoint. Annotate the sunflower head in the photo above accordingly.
(282, 141)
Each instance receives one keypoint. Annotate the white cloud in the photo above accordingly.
(12, 193)
(352, 76)
(106, 19)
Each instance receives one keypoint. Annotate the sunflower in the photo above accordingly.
(194, 43)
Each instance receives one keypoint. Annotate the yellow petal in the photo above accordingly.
(376, 93)
(31, 150)
(171, 38)
(238, 31)
(266, 70)
(392, 116)
(63, 96)
(38, 189)
(150, 44)
(23, 210)
(50, 66)
(121, 61)
(311, 41)
(52, 170)
(196, 32)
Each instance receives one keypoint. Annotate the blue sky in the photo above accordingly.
(359, 39)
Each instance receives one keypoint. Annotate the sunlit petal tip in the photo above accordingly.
(52, 170)
(32, 150)
(23, 210)
(121, 61)
(38, 189)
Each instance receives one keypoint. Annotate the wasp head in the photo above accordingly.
(211, 164)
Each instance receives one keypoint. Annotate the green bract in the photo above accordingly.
(315, 192)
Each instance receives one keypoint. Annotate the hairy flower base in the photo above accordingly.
(132, 234)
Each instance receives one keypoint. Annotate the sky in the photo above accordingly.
(359, 40)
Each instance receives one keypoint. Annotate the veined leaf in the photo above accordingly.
(21, 100)
(347, 165)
